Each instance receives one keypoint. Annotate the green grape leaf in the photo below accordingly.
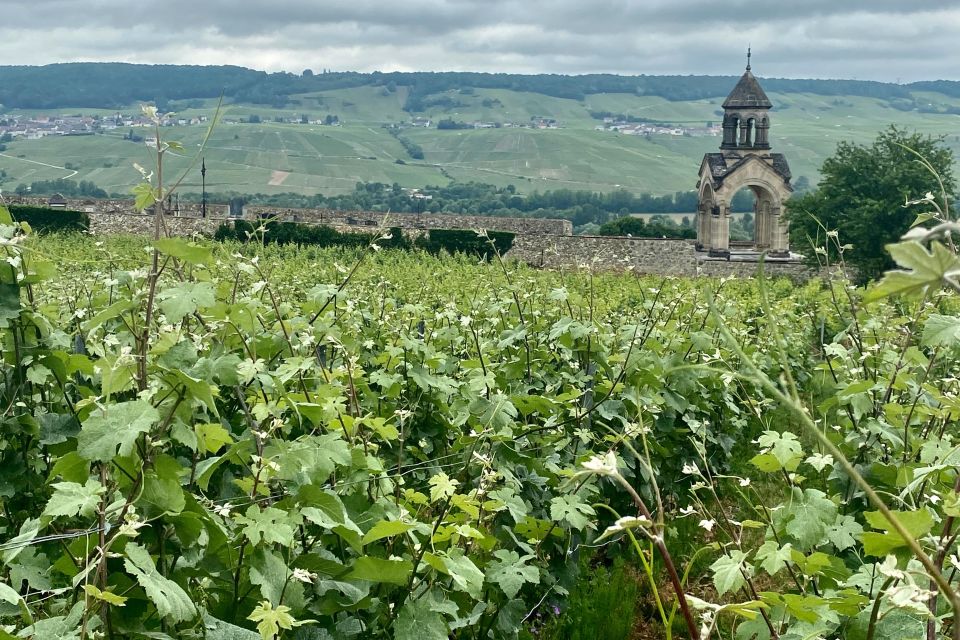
(7, 594)
(186, 251)
(166, 595)
(106, 596)
(270, 573)
(213, 437)
(921, 271)
(773, 557)
(115, 428)
(785, 447)
(380, 570)
(571, 509)
(13, 547)
(417, 621)
(270, 621)
(811, 513)
(144, 196)
(310, 459)
(941, 331)
(727, 572)
(70, 499)
(272, 525)
(180, 301)
(844, 533)
(466, 576)
(917, 523)
(510, 572)
(386, 529)
(220, 630)
(442, 487)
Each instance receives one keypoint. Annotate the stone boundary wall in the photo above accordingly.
(96, 205)
(548, 226)
(329, 217)
(655, 256)
(102, 224)
(668, 257)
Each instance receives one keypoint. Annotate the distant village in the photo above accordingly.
(34, 127)
(657, 129)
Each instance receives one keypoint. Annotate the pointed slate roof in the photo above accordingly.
(720, 165)
(747, 94)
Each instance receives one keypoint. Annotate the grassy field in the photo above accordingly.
(273, 157)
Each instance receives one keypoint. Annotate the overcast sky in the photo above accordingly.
(886, 40)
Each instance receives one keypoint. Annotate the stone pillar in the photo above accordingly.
(703, 226)
(720, 236)
(763, 135)
(744, 133)
(729, 133)
(780, 238)
(761, 223)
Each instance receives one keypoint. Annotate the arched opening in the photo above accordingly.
(754, 218)
(743, 216)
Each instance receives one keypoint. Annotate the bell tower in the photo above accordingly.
(745, 160)
(746, 118)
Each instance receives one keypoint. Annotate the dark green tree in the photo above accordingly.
(861, 196)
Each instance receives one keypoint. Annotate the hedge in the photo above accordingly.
(465, 241)
(316, 235)
(44, 219)
(434, 241)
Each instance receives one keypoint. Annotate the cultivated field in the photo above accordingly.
(331, 160)
(207, 439)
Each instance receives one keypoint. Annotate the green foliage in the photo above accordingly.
(63, 187)
(303, 234)
(453, 241)
(365, 452)
(43, 220)
(639, 228)
(861, 197)
(475, 198)
(112, 85)
(335, 441)
(603, 606)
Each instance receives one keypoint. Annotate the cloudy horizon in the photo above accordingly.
(884, 40)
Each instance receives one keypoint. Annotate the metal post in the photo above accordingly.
(203, 178)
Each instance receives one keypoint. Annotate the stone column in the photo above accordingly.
(729, 132)
(780, 238)
(720, 236)
(763, 139)
(744, 133)
(703, 226)
(761, 222)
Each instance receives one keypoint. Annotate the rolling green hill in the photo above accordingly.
(273, 157)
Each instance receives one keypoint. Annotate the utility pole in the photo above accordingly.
(203, 180)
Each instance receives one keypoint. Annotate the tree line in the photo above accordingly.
(475, 198)
(467, 198)
(117, 85)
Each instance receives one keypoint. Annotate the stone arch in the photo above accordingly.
(706, 209)
(769, 228)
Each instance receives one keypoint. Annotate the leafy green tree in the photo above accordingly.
(862, 196)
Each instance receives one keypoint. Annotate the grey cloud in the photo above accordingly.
(879, 39)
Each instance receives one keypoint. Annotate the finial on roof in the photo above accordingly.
(748, 57)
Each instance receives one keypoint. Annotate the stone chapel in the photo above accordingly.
(744, 160)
